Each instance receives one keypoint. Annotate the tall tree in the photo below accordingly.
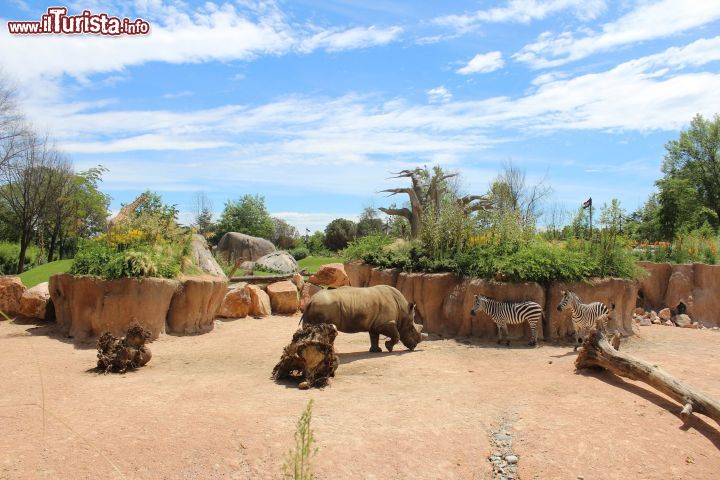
(202, 213)
(339, 233)
(695, 157)
(284, 235)
(247, 215)
(12, 124)
(79, 211)
(428, 190)
(369, 223)
(30, 182)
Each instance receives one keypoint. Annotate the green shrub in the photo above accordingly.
(99, 259)
(514, 261)
(300, 253)
(298, 464)
(9, 254)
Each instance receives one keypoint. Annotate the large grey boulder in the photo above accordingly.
(281, 262)
(203, 257)
(235, 245)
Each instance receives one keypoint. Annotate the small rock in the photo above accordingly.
(511, 459)
(639, 311)
(655, 321)
(644, 322)
(668, 323)
(665, 314)
(682, 320)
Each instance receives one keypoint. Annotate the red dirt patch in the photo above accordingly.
(205, 407)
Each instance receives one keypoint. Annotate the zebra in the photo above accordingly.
(504, 313)
(584, 317)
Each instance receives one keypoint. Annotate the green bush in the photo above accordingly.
(99, 259)
(148, 244)
(535, 261)
(299, 253)
(9, 254)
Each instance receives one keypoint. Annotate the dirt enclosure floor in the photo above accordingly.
(205, 407)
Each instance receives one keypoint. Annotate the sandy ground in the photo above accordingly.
(205, 408)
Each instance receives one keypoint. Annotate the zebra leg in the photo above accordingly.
(507, 336)
(499, 340)
(580, 334)
(533, 332)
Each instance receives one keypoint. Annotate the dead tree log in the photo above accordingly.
(125, 353)
(596, 351)
(310, 356)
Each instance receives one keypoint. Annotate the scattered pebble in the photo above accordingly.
(511, 459)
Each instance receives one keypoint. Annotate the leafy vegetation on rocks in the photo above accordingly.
(148, 244)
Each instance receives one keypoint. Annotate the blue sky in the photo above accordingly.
(311, 103)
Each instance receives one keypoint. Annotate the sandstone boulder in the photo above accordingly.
(33, 302)
(11, 292)
(236, 303)
(235, 245)
(665, 314)
(259, 301)
(85, 307)
(299, 281)
(682, 320)
(203, 258)
(195, 304)
(680, 288)
(309, 289)
(280, 262)
(333, 275)
(283, 297)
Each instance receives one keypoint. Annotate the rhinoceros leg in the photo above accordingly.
(390, 330)
(374, 340)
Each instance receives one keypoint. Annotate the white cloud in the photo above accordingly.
(209, 33)
(304, 140)
(523, 11)
(358, 37)
(648, 21)
(439, 94)
(184, 93)
(483, 63)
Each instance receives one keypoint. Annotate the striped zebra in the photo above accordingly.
(504, 313)
(584, 317)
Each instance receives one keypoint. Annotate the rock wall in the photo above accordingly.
(85, 307)
(195, 304)
(444, 300)
(692, 287)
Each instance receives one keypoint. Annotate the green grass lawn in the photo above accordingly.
(42, 273)
(312, 264)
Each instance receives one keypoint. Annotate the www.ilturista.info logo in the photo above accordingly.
(57, 21)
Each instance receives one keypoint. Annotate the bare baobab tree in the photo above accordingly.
(427, 191)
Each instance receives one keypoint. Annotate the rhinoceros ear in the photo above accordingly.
(411, 308)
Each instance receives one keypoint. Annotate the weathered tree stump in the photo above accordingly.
(122, 354)
(596, 351)
(310, 356)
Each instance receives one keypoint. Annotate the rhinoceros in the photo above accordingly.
(379, 310)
